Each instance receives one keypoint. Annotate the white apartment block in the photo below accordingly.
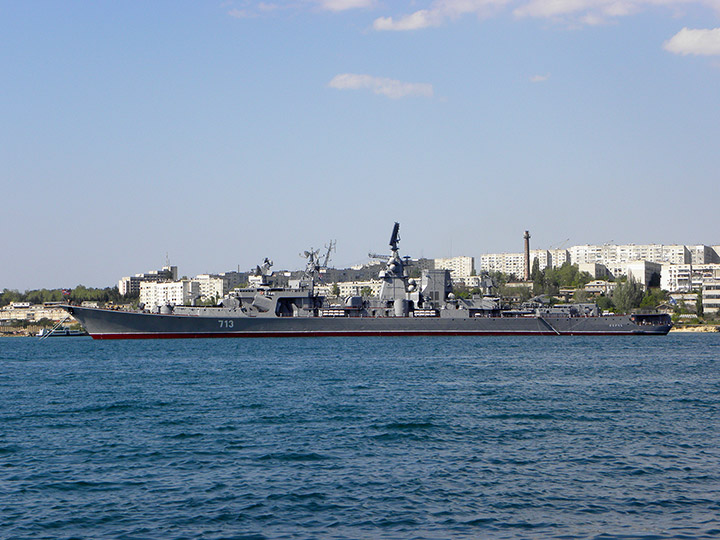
(460, 267)
(354, 288)
(558, 257)
(174, 293)
(596, 270)
(610, 254)
(131, 284)
(642, 271)
(687, 277)
(613, 257)
(711, 295)
(702, 254)
(514, 263)
(209, 286)
(217, 285)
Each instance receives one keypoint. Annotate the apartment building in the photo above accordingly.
(687, 277)
(460, 267)
(174, 293)
(131, 284)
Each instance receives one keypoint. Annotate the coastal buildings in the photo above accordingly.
(687, 277)
(174, 293)
(460, 267)
(218, 285)
(131, 284)
(513, 264)
(24, 311)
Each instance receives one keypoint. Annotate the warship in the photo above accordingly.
(403, 307)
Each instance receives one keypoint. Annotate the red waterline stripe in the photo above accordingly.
(345, 334)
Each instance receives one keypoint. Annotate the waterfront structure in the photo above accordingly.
(131, 284)
(24, 311)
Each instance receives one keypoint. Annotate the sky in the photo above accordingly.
(214, 134)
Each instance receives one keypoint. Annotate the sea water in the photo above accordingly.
(446, 437)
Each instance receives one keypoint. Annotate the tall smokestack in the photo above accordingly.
(527, 255)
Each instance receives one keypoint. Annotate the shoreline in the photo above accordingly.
(705, 328)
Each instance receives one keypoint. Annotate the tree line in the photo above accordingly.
(77, 294)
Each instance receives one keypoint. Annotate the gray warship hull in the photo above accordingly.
(221, 323)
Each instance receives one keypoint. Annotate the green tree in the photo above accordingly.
(335, 290)
(365, 292)
(461, 291)
(581, 295)
(627, 296)
(699, 304)
(653, 297)
(537, 277)
(605, 303)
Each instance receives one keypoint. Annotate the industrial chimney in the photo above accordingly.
(527, 255)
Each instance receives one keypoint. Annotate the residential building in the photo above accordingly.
(354, 288)
(514, 263)
(611, 254)
(711, 295)
(687, 277)
(174, 293)
(701, 254)
(218, 285)
(460, 267)
(643, 272)
(600, 286)
(131, 284)
(596, 270)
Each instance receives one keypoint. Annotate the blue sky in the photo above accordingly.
(221, 133)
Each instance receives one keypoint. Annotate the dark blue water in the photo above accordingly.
(614, 437)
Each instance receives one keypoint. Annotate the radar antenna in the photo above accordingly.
(330, 247)
(395, 237)
(313, 263)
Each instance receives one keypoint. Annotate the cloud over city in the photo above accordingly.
(573, 12)
(539, 78)
(344, 5)
(391, 88)
(695, 41)
(439, 12)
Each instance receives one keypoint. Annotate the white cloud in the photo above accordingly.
(695, 41)
(343, 5)
(414, 21)
(539, 78)
(439, 11)
(379, 85)
(240, 13)
(574, 12)
(585, 12)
